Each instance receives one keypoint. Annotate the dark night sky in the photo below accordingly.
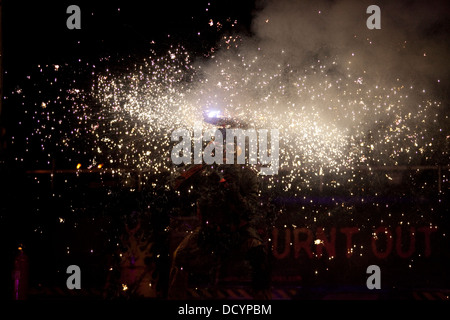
(35, 32)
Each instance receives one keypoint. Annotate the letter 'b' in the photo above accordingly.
(74, 281)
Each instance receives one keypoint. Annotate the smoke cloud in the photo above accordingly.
(412, 43)
(314, 70)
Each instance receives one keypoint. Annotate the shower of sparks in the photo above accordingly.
(336, 122)
(328, 121)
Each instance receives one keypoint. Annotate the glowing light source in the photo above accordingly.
(214, 114)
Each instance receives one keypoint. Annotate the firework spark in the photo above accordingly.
(330, 116)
